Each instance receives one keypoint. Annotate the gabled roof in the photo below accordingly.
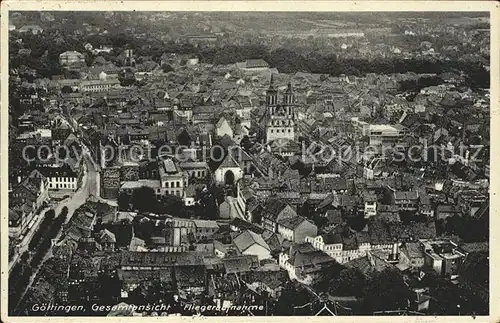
(292, 223)
(136, 244)
(275, 206)
(229, 162)
(107, 236)
(332, 238)
(221, 121)
(305, 255)
(13, 215)
(484, 210)
(334, 216)
(368, 264)
(205, 224)
(272, 279)
(239, 153)
(413, 249)
(238, 264)
(227, 142)
(64, 170)
(32, 183)
(243, 225)
(247, 239)
(22, 209)
(30, 27)
(409, 195)
(36, 174)
(327, 201)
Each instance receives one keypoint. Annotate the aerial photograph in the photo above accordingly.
(209, 163)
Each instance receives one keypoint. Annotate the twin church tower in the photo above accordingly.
(280, 116)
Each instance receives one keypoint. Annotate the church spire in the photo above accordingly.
(272, 93)
(288, 96)
(271, 83)
(289, 87)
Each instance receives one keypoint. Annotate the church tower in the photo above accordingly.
(288, 98)
(271, 94)
(280, 122)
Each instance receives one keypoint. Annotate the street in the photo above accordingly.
(90, 186)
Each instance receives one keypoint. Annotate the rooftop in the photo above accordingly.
(247, 239)
(440, 249)
(205, 224)
(168, 167)
(140, 183)
(292, 223)
(256, 63)
(137, 258)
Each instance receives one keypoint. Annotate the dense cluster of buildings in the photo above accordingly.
(306, 170)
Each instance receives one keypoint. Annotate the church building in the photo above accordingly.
(279, 116)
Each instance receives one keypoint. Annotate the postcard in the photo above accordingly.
(265, 160)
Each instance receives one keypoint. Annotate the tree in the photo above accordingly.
(450, 299)
(144, 199)
(171, 204)
(159, 292)
(207, 208)
(110, 286)
(50, 214)
(319, 220)
(66, 89)
(25, 256)
(351, 282)
(64, 213)
(167, 68)
(126, 77)
(386, 290)
(293, 295)
(123, 201)
(43, 229)
(246, 143)
(327, 277)
(184, 138)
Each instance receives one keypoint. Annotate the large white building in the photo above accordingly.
(71, 58)
(344, 249)
(172, 178)
(386, 135)
(254, 65)
(61, 178)
(99, 85)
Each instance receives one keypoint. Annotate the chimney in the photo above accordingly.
(394, 256)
